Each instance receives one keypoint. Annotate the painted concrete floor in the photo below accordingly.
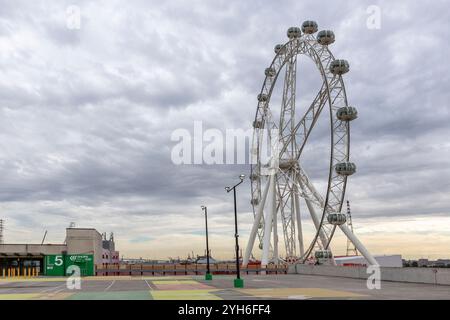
(265, 287)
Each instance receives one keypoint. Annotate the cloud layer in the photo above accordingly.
(86, 116)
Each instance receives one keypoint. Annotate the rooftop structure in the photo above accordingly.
(84, 241)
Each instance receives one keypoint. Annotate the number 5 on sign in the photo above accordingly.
(58, 261)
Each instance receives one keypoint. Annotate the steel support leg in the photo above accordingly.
(268, 222)
(256, 223)
(358, 244)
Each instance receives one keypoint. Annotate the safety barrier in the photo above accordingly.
(184, 269)
(25, 272)
(438, 276)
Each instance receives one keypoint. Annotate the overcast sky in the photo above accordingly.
(86, 117)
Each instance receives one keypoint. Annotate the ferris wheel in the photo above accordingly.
(278, 181)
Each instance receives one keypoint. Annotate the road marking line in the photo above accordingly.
(13, 289)
(148, 285)
(49, 295)
(52, 288)
(56, 292)
(108, 287)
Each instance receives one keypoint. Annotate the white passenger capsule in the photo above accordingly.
(294, 32)
(270, 72)
(323, 254)
(287, 164)
(309, 27)
(325, 37)
(339, 67)
(347, 113)
(337, 218)
(262, 97)
(345, 168)
(258, 124)
(279, 48)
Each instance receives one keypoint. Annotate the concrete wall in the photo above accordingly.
(384, 261)
(34, 249)
(84, 241)
(439, 276)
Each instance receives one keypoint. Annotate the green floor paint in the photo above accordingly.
(118, 295)
(184, 295)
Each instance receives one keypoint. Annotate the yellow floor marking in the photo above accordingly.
(307, 292)
(19, 296)
(94, 278)
(59, 279)
(167, 278)
(118, 278)
(184, 295)
(175, 282)
(56, 296)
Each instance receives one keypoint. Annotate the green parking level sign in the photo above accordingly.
(57, 265)
(54, 265)
(84, 261)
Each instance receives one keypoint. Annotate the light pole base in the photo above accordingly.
(238, 283)
(208, 276)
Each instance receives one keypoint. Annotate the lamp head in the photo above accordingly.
(227, 189)
(242, 176)
(203, 207)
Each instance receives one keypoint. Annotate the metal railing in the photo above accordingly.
(179, 269)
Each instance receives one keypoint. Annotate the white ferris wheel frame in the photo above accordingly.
(286, 181)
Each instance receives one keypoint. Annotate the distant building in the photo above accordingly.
(109, 254)
(441, 263)
(78, 241)
(141, 261)
(423, 262)
(203, 260)
(383, 261)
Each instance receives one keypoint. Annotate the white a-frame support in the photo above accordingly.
(269, 197)
(268, 219)
(299, 221)
(256, 224)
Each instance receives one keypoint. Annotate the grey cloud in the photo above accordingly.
(86, 115)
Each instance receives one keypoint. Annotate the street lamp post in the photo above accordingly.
(208, 275)
(238, 282)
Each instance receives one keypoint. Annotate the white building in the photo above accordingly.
(384, 261)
